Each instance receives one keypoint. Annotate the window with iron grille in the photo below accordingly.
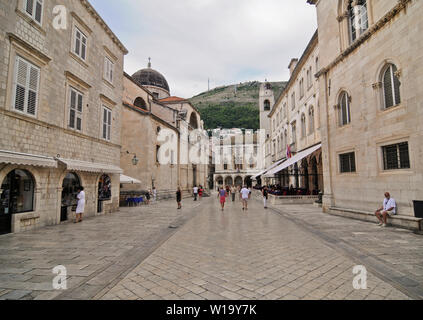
(396, 156)
(347, 162)
(75, 109)
(391, 87)
(34, 8)
(26, 86)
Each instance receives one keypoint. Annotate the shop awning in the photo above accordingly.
(27, 159)
(84, 166)
(128, 180)
(298, 157)
(270, 168)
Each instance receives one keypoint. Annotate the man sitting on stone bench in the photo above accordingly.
(389, 208)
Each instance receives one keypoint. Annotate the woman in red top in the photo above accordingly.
(222, 195)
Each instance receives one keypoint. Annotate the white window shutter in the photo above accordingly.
(109, 125)
(34, 78)
(21, 74)
(105, 68)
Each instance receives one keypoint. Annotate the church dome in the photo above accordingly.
(151, 77)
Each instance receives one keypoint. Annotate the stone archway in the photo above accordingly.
(193, 121)
(70, 184)
(239, 181)
(228, 181)
(248, 181)
(17, 196)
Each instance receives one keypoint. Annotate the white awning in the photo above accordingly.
(27, 159)
(84, 166)
(270, 168)
(298, 157)
(128, 180)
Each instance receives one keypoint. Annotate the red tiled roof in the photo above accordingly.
(172, 99)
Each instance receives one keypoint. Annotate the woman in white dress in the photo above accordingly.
(81, 204)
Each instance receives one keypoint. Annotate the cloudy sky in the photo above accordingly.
(228, 41)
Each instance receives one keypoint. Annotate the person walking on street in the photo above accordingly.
(233, 193)
(195, 190)
(154, 194)
(179, 198)
(222, 196)
(265, 193)
(148, 197)
(200, 192)
(81, 205)
(245, 196)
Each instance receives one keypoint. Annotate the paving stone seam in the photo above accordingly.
(168, 234)
(372, 263)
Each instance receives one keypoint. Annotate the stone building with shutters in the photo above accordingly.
(371, 79)
(156, 125)
(60, 112)
(294, 127)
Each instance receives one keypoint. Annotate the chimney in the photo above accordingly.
(292, 66)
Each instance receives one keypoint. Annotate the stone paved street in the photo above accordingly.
(265, 255)
(294, 252)
(95, 252)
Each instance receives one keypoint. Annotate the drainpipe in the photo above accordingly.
(328, 191)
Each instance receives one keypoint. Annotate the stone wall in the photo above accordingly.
(395, 39)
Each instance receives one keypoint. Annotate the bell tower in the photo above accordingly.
(266, 102)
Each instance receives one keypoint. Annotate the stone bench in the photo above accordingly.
(286, 200)
(406, 222)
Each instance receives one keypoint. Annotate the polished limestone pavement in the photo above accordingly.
(200, 252)
(254, 254)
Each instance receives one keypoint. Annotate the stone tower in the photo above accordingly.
(266, 102)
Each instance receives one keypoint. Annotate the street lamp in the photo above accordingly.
(135, 160)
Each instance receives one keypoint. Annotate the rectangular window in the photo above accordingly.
(75, 110)
(80, 44)
(34, 8)
(108, 69)
(107, 123)
(293, 100)
(26, 86)
(347, 162)
(396, 156)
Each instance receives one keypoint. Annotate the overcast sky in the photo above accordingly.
(228, 41)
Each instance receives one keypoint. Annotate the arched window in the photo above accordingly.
(344, 109)
(104, 188)
(311, 119)
(390, 86)
(303, 126)
(17, 193)
(358, 21)
(266, 105)
(193, 121)
(140, 103)
(286, 139)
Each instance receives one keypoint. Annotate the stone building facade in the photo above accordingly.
(295, 125)
(236, 158)
(153, 128)
(60, 112)
(370, 76)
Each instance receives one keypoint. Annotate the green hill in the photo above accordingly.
(234, 106)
